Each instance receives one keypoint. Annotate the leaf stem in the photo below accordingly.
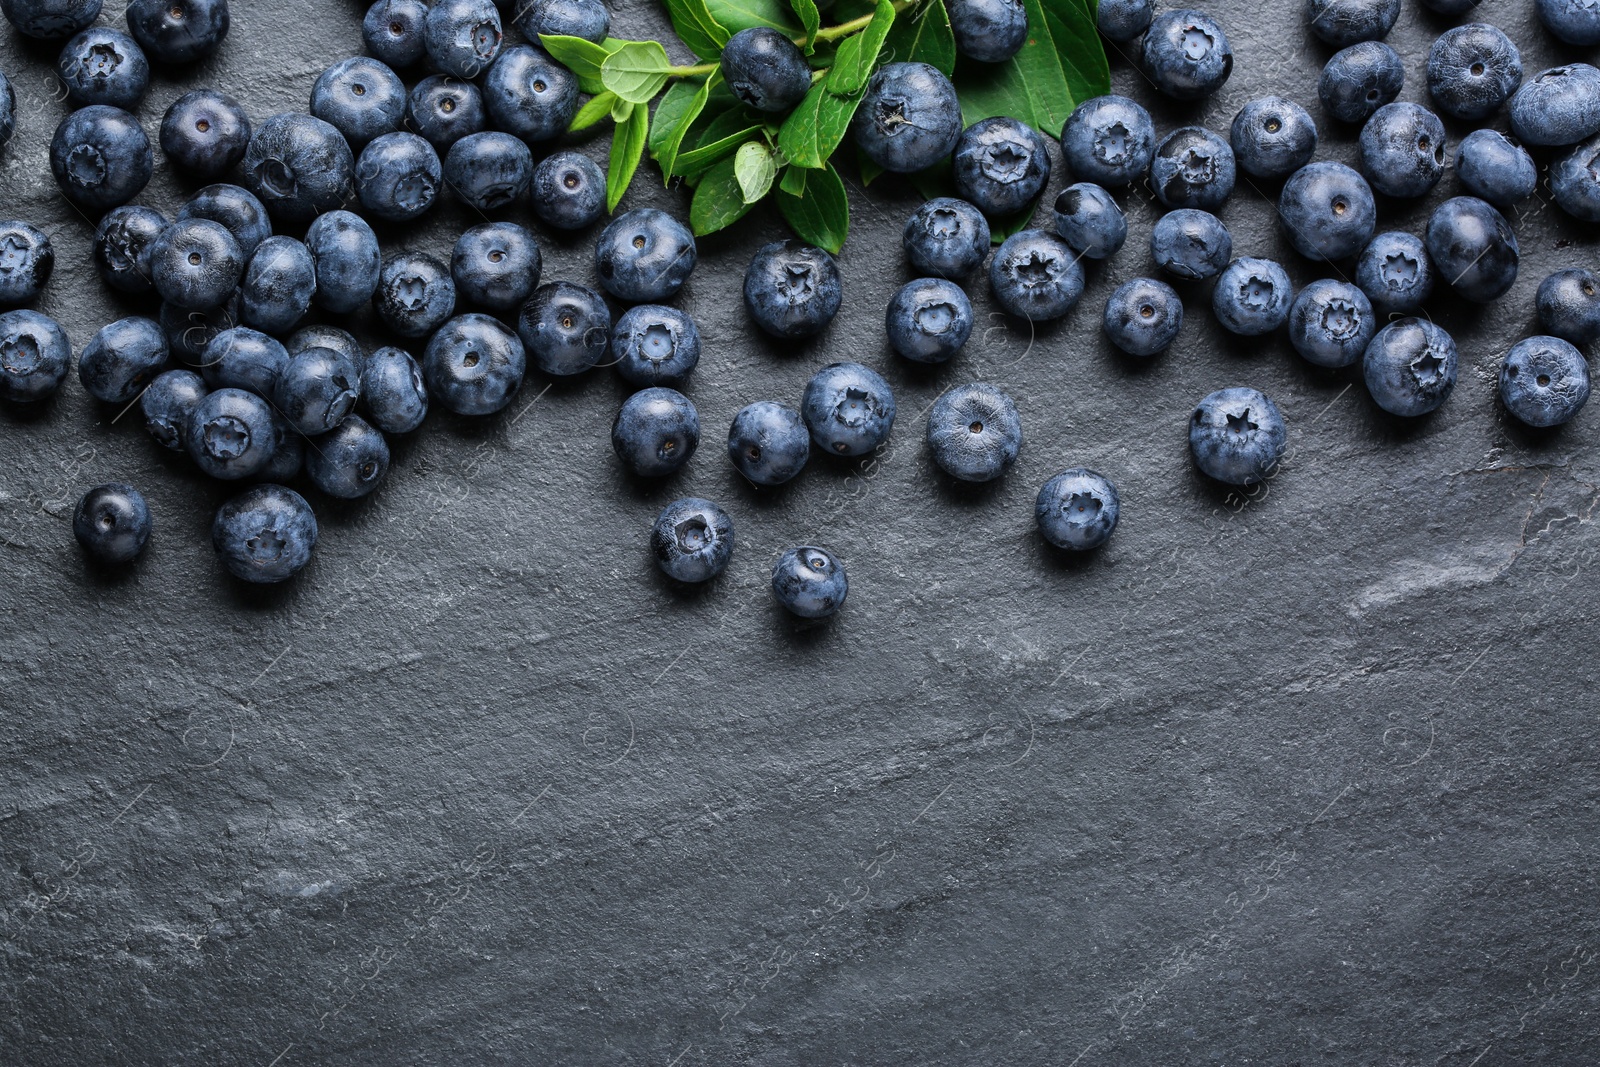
(692, 72)
(845, 29)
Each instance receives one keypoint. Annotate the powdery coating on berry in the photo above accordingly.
(123, 358)
(1559, 106)
(361, 98)
(909, 117)
(1077, 509)
(415, 294)
(317, 389)
(265, 534)
(179, 31)
(1402, 150)
(1327, 211)
(231, 434)
(1577, 22)
(1472, 71)
(1036, 275)
(974, 432)
(1193, 167)
(946, 237)
(565, 328)
(644, 256)
(1272, 137)
(167, 404)
(393, 395)
(51, 20)
(929, 320)
(1544, 381)
(205, 132)
(1575, 181)
(1395, 273)
(655, 345)
(1191, 244)
(1237, 436)
(810, 582)
(1473, 248)
(849, 409)
(1109, 140)
(1359, 80)
(102, 66)
(765, 69)
(1568, 302)
(34, 356)
(768, 443)
(299, 166)
(1410, 367)
(656, 432)
(1143, 317)
(692, 540)
(1000, 165)
(1252, 297)
(588, 19)
(989, 31)
(1493, 167)
(1090, 221)
(1123, 20)
(1186, 54)
(350, 461)
(443, 110)
(27, 259)
(1331, 323)
(529, 94)
(1341, 23)
(474, 365)
(101, 158)
(463, 37)
(792, 289)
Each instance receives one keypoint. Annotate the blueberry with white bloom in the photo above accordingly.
(1568, 303)
(1186, 54)
(1036, 276)
(1495, 168)
(1089, 220)
(655, 432)
(974, 432)
(1272, 137)
(1402, 150)
(929, 320)
(1331, 323)
(1109, 140)
(565, 328)
(1191, 244)
(769, 442)
(349, 461)
(655, 345)
(1252, 297)
(946, 237)
(1544, 381)
(1143, 317)
(1193, 167)
(810, 582)
(1077, 509)
(849, 409)
(1237, 436)
(1410, 367)
(1395, 272)
(1359, 80)
(123, 358)
(692, 540)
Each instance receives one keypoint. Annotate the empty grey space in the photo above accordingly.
(1306, 776)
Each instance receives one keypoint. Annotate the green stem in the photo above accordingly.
(845, 29)
(692, 72)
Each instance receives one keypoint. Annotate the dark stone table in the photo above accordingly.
(1307, 776)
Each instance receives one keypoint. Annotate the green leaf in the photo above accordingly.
(925, 37)
(620, 110)
(698, 28)
(754, 169)
(1000, 229)
(810, 18)
(870, 171)
(637, 71)
(678, 99)
(598, 107)
(682, 117)
(730, 122)
(814, 129)
(1061, 64)
(858, 54)
(699, 159)
(736, 15)
(627, 148)
(794, 181)
(581, 57)
(718, 202)
(822, 216)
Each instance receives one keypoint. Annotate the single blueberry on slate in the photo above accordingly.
(123, 358)
(1342, 23)
(1000, 165)
(474, 365)
(1327, 211)
(1472, 71)
(1077, 509)
(792, 289)
(1186, 54)
(344, 251)
(1035, 275)
(1191, 244)
(50, 20)
(189, 332)
(1089, 220)
(909, 117)
(34, 356)
(848, 408)
(565, 328)
(569, 190)
(1473, 248)
(1331, 323)
(1495, 168)
(1143, 317)
(1575, 22)
(103, 66)
(112, 523)
(1358, 80)
(1402, 150)
(242, 358)
(1410, 367)
(394, 397)
(178, 31)
(265, 534)
(496, 265)
(122, 244)
(1544, 381)
(235, 209)
(929, 320)
(348, 461)
(692, 540)
(392, 31)
(765, 69)
(1237, 436)
(655, 345)
(489, 171)
(810, 582)
(205, 133)
(588, 19)
(769, 443)
(27, 259)
(946, 237)
(167, 404)
(974, 432)
(443, 110)
(231, 434)
(299, 166)
(398, 177)
(1568, 303)
(415, 294)
(316, 389)
(644, 256)
(1559, 106)
(1272, 137)
(1109, 140)
(279, 285)
(989, 31)
(361, 98)
(462, 37)
(1193, 167)
(1575, 181)
(1123, 20)
(1395, 273)
(1252, 297)
(528, 94)
(101, 158)
(655, 432)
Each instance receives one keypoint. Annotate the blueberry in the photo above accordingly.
(1143, 317)
(1191, 244)
(178, 31)
(1575, 181)
(347, 260)
(1575, 22)
(231, 434)
(205, 133)
(1237, 436)
(1395, 273)
(565, 328)
(765, 70)
(242, 358)
(929, 320)
(196, 264)
(1331, 323)
(809, 582)
(123, 358)
(1000, 165)
(909, 117)
(1193, 167)
(974, 432)
(588, 19)
(167, 404)
(656, 432)
(340, 341)
(299, 166)
(1473, 248)
(489, 171)
(235, 209)
(692, 540)
(1569, 306)
(393, 395)
(946, 237)
(392, 31)
(1402, 150)
(1272, 137)
(34, 356)
(101, 158)
(1036, 276)
(112, 523)
(1544, 381)
(792, 289)
(103, 66)
(769, 443)
(989, 31)
(1186, 54)
(50, 20)
(529, 94)
(1472, 71)
(265, 534)
(474, 365)
(1252, 297)
(1342, 23)
(8, 110)
(27, 259)
(1327, 211)
(569, 190)
(398, 177)
(279, 285)
(349, 461)
(644, 256)
(1559, 106)
(1123, 20)
(1109, 140)
(462, 37)
(361, 98)
(655, 345)
(122, 244)
(1495, 168)
(848, 408)
(1077, 509)
(189, 332)
(415, 294)
(316, 389)
(1410, 367)
(1359, 80)
(496, 265)
(443, 110)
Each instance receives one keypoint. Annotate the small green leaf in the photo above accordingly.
(665, 150)
(822, 216)
(627, 148)
(718, 202)
(637, 71)
(736, 15)
(581, 57)
(698, 28)
(620, 110)
(858, 54)
(810, 18)
(815, 128)
(754, 169)
(598, 107)
(794, 181)
(924, 37)
(692, 163)
(870, 171)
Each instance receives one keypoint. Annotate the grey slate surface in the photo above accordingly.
(1308, 778)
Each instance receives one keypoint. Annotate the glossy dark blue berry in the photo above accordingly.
(496, 265)
(398, 177)
(104, 66)
(279, 285)
(392, 32)
(644, 256)
(1123, 20)
(529, 94)
(1544, 381)
(462, 37)
(1472, 71)
(112, 523)
(989, 31)
(1035, 275)
(1272, 137)
(655, 432)
(205, 133)
(1402, 150)
(1473, 248)
(1342, 23)
(101, 158)
(974, 432)
(809, 582)
(1327, 211)
(232, 434)
(569, 190)
(242, 358)
(1495, 168)
(655, 345)
(1193, 167)
(765, 69)
(489, 171)
(565, 328)
(792, 289)
(1559, 106)
(122, 244)
(1191, 244)
(1252, 297)
(196, 264)
(1410, 367)
(27, 259)
(394, 397)
(167, 404)
(1331, 323)
(1000, 165)
(265, 534)
(415, 294)
(1186, 55)
(692, 540)
(848, 408)
(769, 443)
(361, 98)
(588, 19)
(1237, 436)
(1359, 80)
(1575, 22)
(235, 209)
(189, 331)
(909, 117)
(946, 237)
(1077, 509)
(345, 253)
(1109, 140)
(299, 166)
(178, 31)
(474, 365)
(123, 358)
(340, 341)
(929, 320)
(50, 20)
(443, 110)
(34, 356)
(317, 388)
(1395, 272)
(1568, 303)
(1575, 181)
(349, 461)
(1143, 317)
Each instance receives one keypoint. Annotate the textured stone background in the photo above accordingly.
(1303, 778)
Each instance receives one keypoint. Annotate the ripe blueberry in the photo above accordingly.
(1342, 23)
(655, 432)
(349, 461)
(1544, 381)
(1077, 509)
(848, 408)
(644, 256)
(769, 443)
(692, 540)
(569, 190)
(1186, 54)
(1000, 165)
(1495, 168)
(1559, 106)
(278, 286)
(361, 98)
(101, 158)
(1395, 272)
(123, 358)
(167, 405)
(1473, 248)
(655, 345)
(316, 389)
(1359, 80)
(974, 432)
(1331, 323)
(393, 395)
(103, 66)
(1410, 367)
(1327, 211)
(265, 534)
(1252, 297)
(1272, 137)
(205, 133)
(344, 251)
(1191, 244)
(1568, 302)
(765, 70)
(565, 328)
(1472, 71)
(946, 237)
(496, 265)
(909, 117)
(242, 358)
(299, 166)
(792, 289)
(1402, 150)
(178, 31)
(588, 19)
(443, 110)
(398, 177)
(112, 523)
(415, 294)
(1036, 276)
(810, 582)
(529, 94)
(1237, 436)
(1109, 140)
(392, 31)
(474, 365)
(929, 320)
(989, 31)
(34, 356)
(27, 259)
(462, 37)
(1193, 167)
(1143, 317)
(231, 434)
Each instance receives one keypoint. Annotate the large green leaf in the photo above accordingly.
(814, 129)
(1061, 64)
(718, 202)
(677, 100)
(627, 148)
(637, 71)
(693, 163)
(924, 36)
(820, 213)
(682, 117)
(698, 28)
(810, 18)
(581, 57)
(736, 15)
(598, 107)
(858, 53)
